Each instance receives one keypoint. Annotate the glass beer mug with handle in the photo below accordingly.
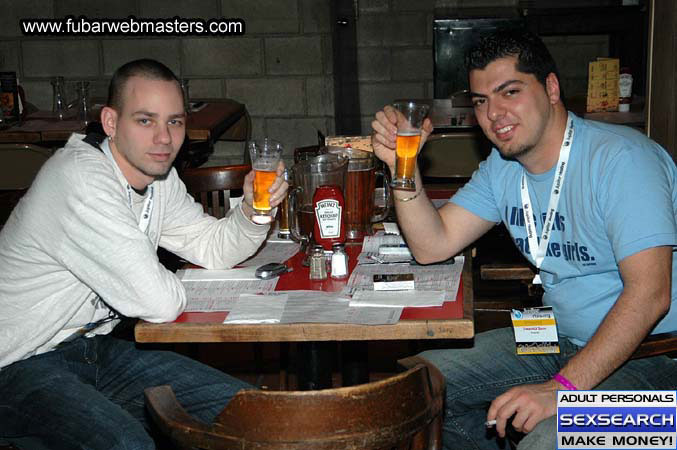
(326, 169)
(410, 117)
(265, 156)
(360, 191)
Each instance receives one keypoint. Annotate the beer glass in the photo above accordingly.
(410, 117)
(283, 219)
(265, 156)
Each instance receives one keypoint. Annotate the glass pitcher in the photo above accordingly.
(327, 169)
(360, 191)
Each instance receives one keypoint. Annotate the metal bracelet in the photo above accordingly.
(407, 199)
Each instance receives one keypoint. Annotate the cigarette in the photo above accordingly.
(490, 423)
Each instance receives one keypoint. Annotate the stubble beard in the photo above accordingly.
(517, 153)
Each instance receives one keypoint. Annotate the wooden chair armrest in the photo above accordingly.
(180, 426)
(656, 344)
(520, 272)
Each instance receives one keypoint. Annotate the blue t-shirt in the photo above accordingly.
(619, 197)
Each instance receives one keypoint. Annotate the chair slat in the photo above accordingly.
(212, 186)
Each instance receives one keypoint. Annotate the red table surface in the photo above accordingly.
(298, 280)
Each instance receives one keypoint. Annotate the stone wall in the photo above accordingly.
(281, 69)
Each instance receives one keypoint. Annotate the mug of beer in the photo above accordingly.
(410, 117)
(360, 191)
(265, 155)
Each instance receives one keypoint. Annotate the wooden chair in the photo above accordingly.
(304, 153)
(403, 412)
(211, 186)
(20, 164)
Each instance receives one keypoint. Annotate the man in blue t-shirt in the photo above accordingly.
(606, 196)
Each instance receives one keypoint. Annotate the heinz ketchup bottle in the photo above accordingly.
(328, 206)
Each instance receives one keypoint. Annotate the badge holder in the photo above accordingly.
(535, 331)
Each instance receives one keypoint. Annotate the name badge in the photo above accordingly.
(535, 331)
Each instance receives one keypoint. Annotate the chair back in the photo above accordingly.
(20, 164)
(403, 412)
(211, 186)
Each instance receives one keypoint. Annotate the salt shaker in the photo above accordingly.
(339, 262)
(318, 267)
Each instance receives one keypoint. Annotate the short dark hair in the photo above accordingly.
(532, 55)
(146, 68)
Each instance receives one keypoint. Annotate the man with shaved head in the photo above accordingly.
(79, 252)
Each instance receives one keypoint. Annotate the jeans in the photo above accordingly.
(88, 394)
(477, 375)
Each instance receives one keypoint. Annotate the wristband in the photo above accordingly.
(561, 379)
(407, 199)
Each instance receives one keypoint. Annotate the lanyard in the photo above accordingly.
(539, 249)
(147, 209)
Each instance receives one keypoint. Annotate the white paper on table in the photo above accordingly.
(315, 307)
(257, 309)
(391, 228)
(376, 258)
(413, 298)
(332, 307)
(221, 295)
(368, 315)
(441, 277)
(372, 243)
(244, 273)
(272, 252)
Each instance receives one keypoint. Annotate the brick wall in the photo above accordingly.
(394, 53)
(282, 69)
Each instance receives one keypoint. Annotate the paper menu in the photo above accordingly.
(443, 277)
(221, 295)
(307, 307)
(603, 76)
(405, 299)
(257, 309)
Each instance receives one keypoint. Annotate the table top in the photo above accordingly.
(452, 320)
(205, 124)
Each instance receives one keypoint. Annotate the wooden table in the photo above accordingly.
(452, 320)
(218, 117)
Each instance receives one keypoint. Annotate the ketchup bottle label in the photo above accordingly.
(328, 215)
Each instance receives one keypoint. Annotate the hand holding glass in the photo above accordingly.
(410, 117)
(265, 156)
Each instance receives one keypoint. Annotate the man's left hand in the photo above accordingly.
(278, 190)
(530, 404)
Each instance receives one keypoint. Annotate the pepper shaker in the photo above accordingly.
(318, 266)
